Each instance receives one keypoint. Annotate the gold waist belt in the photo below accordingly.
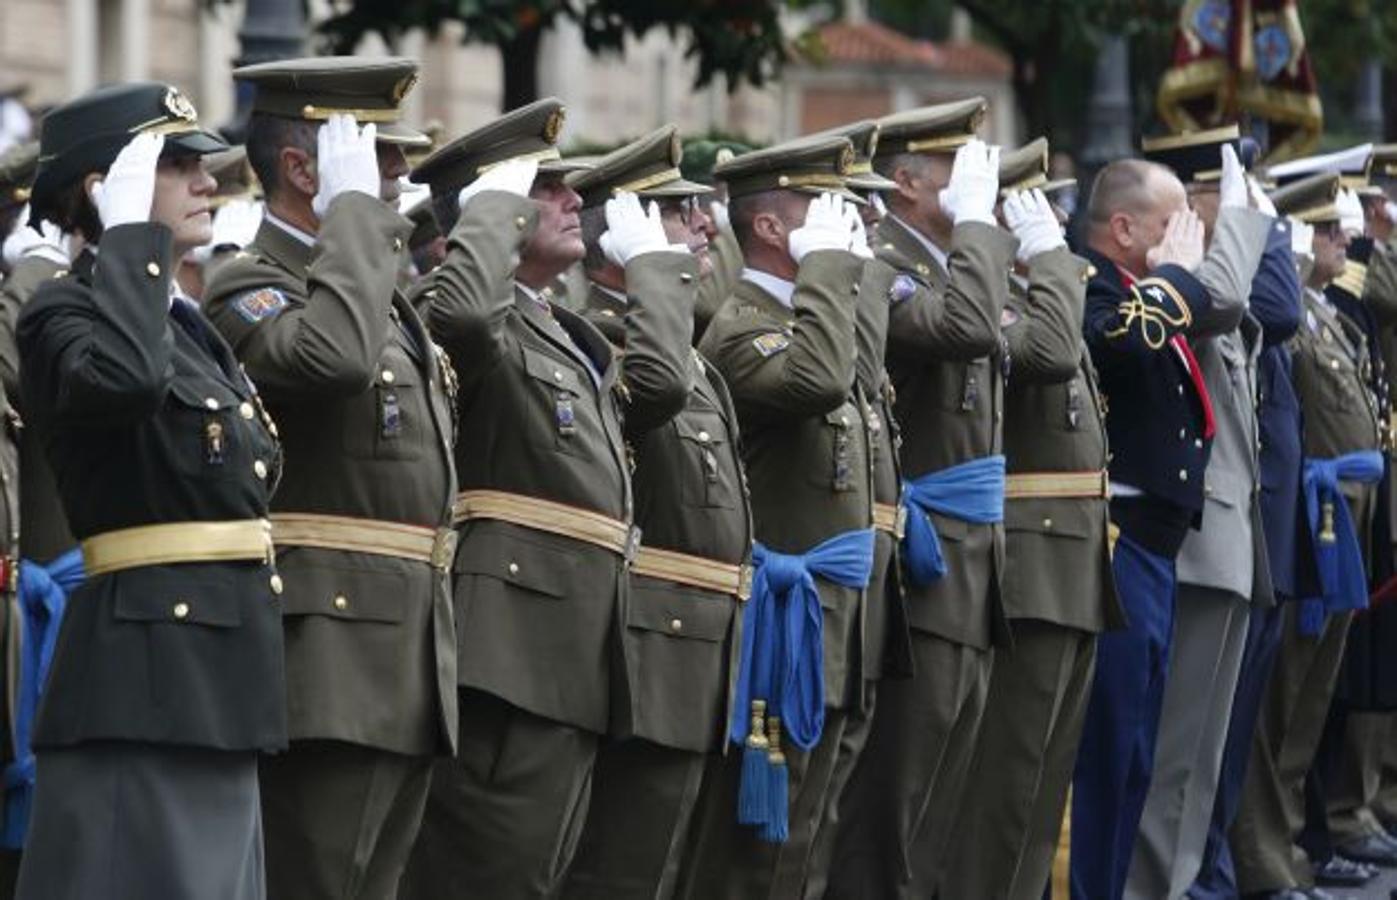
(418, 543)
(695, 571)
(177, 542)
(545, 515)
(1039, 485)
(889, 518)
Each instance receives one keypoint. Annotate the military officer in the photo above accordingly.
(884, 644)
(167, 680)
(362, 522)
(693, 567)
(1341, 467)
(1058, 589)
(1145, 244)
(785, 343)
(951, 260)
(1222, 570)
(544, 515)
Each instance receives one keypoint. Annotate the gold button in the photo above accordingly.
(1333, 364)
(1183, 474)
(685, 277)
(844, 420)
(704, 437)
(557, 375)
(277, 586)
(397, 245)
(1047, 523)
(676, 625)
(210, 403)
(260, 468)
(520, 223)
(1183, 434)
(388, 376)
(341, 602)
(245, 410)
(514, 568)
(153, 269)
(181, 610)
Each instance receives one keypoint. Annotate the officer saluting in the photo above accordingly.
(691, 571)
(1058, 589)
(168, 678)
(544, 515)
(784, 341)
(362, 522)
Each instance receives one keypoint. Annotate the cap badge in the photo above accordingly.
(402, 86)
(178, 105)
(846, 159)
(554, 126)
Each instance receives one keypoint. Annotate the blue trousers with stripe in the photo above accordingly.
(1116, 756)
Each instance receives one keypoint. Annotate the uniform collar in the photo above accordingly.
(303, 236)
(928, 245)
(780, 289)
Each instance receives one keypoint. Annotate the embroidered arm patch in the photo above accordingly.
(771, 344)
(263, 303)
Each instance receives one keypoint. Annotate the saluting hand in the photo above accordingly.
(1182, 244)
(974, 186)
(1232, 187)
(126, 193)
(1350, 212)
(46, 241)
(1302, 238)
(631, 231)
(1030, 216)
(515, 176)
(824, 228)
(858, 233)
(346, 159)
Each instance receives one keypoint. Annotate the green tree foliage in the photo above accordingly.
(740, 40)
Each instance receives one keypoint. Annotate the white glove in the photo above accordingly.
(1302, 238)
(345, 160)
(1350, 212)
(974, 187)
(825, 228)
(1030, 216)
(875, 200)
(718, 210)
(631, 231)
(1232, 188)
(1259, 198)
(235, 224)
(126, 193)
(513, 177)
(1391, 209)
(858, 234)
(47, 242)
(1182, 244)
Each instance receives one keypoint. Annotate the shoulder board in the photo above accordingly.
(771, 344)
(259, 304)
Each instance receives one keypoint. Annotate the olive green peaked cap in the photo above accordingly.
(931, 129)
(529, 132)
(811, 165)
(863, 137)
(317, 87)
(648, 167)
(1027, 168)
(1309, 199)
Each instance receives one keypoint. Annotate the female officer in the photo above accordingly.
(167, 678)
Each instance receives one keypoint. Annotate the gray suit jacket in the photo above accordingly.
(1229, 552)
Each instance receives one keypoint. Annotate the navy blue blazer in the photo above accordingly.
(1275, 303)
(1154, 416)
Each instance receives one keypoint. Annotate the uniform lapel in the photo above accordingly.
(281, 247)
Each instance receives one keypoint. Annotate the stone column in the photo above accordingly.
(271, 29)
(1367, 114)
(1110, 125)
(83, 46)
(135, 40)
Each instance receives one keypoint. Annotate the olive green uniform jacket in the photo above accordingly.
(361, 398)
(945, 358)
(680, 642)
(805, 438)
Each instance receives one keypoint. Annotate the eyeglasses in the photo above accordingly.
(1329, 230)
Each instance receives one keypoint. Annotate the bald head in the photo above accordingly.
(1131, 202)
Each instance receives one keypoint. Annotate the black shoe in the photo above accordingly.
(1371, 848)
(1341, 872)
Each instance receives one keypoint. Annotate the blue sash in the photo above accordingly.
(43, 594)
(1343, 579)
(972, 491)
